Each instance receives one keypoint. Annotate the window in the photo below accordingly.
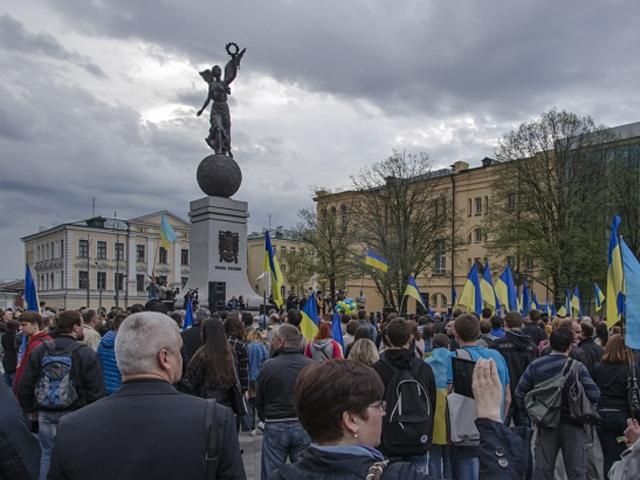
(184, 256)
(162, 255)
(101, 280)
(528, 264)
(283, 252)
(118, 280)
(434, 299)
(83, 279)
(443, 301)
(486, 205)
(440, 264)
(469, 206)
(477, 235)
(61, 248)
(478, 202)
(119, 251)
(440, 210)
(511, 201)
(343, 214)
(62, 285)
(140, 283)
(511, 261)
(283, 269)
(37, 253)
(184, 281)
(83, 248)
(101, 250)
(139, 253)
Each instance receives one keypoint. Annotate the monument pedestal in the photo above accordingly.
(218, 250)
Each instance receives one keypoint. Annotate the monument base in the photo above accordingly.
(218, 251)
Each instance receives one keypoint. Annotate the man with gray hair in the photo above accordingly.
(192, 337)
(152, 430)
(283, 435)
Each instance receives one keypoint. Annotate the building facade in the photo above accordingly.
(103, 262)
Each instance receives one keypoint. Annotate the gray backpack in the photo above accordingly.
(461, 415)
(544, 402)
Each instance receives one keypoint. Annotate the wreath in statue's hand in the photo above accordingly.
(231, 45)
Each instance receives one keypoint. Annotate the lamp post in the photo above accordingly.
(117, 282)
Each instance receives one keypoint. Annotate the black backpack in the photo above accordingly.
(408, 425)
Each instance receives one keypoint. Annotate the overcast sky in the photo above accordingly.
(98, 97)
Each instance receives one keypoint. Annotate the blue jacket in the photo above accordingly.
(257, 356)
(439, 362)
(107, 357)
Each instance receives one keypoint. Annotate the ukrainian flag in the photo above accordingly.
(486, 286)
(599, 297)
(30, 292)
(412, 291)
(615, 277)
(632, 287)
(471, 296)
(575, 303)
(376, 261)
(271, 266)
(167, 233)
(537, 304)
(506, 290)
(310, 320)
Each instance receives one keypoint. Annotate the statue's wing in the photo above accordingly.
(232, 66)
(207, 75)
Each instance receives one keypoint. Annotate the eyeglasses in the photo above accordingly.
(380, 405)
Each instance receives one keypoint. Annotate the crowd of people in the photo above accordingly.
(132, 394)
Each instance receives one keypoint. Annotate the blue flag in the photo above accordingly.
(188, 316)
(336, 329)
(631, 268)
(30, 291)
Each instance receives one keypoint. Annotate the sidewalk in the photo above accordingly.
(251, 448)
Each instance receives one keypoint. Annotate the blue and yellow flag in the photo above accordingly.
(631, 308)
(576, 310)
(536, 304)
(471, 296)
(188, 316)
(30, 291)
(376, 261)
(310, 320)
(271, 265)
(336, 329)
(413, 292)
(598, 297)
(615, 277)
(506, 290)
(486, 287)
(167, 233)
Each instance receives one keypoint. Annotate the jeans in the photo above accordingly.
(612, 426)
(47, 435)
(463, 465)
(572, 440)
(282, 440)
(439, 462)
(8, 378)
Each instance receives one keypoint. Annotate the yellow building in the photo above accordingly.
(106, 262)
(467, 191)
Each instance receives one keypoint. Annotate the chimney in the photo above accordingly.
(460, 166)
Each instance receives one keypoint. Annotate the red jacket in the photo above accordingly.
(35, 340)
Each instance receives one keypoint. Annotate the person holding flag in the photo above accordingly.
(273, 268)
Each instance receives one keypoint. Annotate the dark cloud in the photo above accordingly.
(499, 57)
(14, 37)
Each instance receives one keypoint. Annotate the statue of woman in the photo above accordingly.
(219, 138)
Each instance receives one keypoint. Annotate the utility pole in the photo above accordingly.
(88, 270)
(117, 279)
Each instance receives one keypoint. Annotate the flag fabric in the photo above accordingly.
(413, 292)
(30, 292)
(167, 233)
(376, 261)
(537, 304)
(471, 296)
(576, 311)
(562, 311)
(506, 290)
(271, 265)
(526, 299)
(567, 302)
(336, 329)
(615, 276)
(631, 268)
(486, 287)
(598, 296)
(310, 320)
(188, 316)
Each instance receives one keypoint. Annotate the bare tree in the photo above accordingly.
(301, 266)
(549, 198)
(401, 213)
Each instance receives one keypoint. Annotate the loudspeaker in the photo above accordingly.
(217, 296)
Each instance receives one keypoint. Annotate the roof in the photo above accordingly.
(12, 286)
(276, 234)
(161, 212)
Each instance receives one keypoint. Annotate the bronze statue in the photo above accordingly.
(219, 138)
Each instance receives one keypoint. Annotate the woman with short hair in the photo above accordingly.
(364, 351)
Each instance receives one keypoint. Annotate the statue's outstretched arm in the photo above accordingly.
(206, 103)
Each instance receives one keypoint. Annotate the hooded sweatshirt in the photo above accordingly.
(323, 350)
(107, 357)
(439, 361)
